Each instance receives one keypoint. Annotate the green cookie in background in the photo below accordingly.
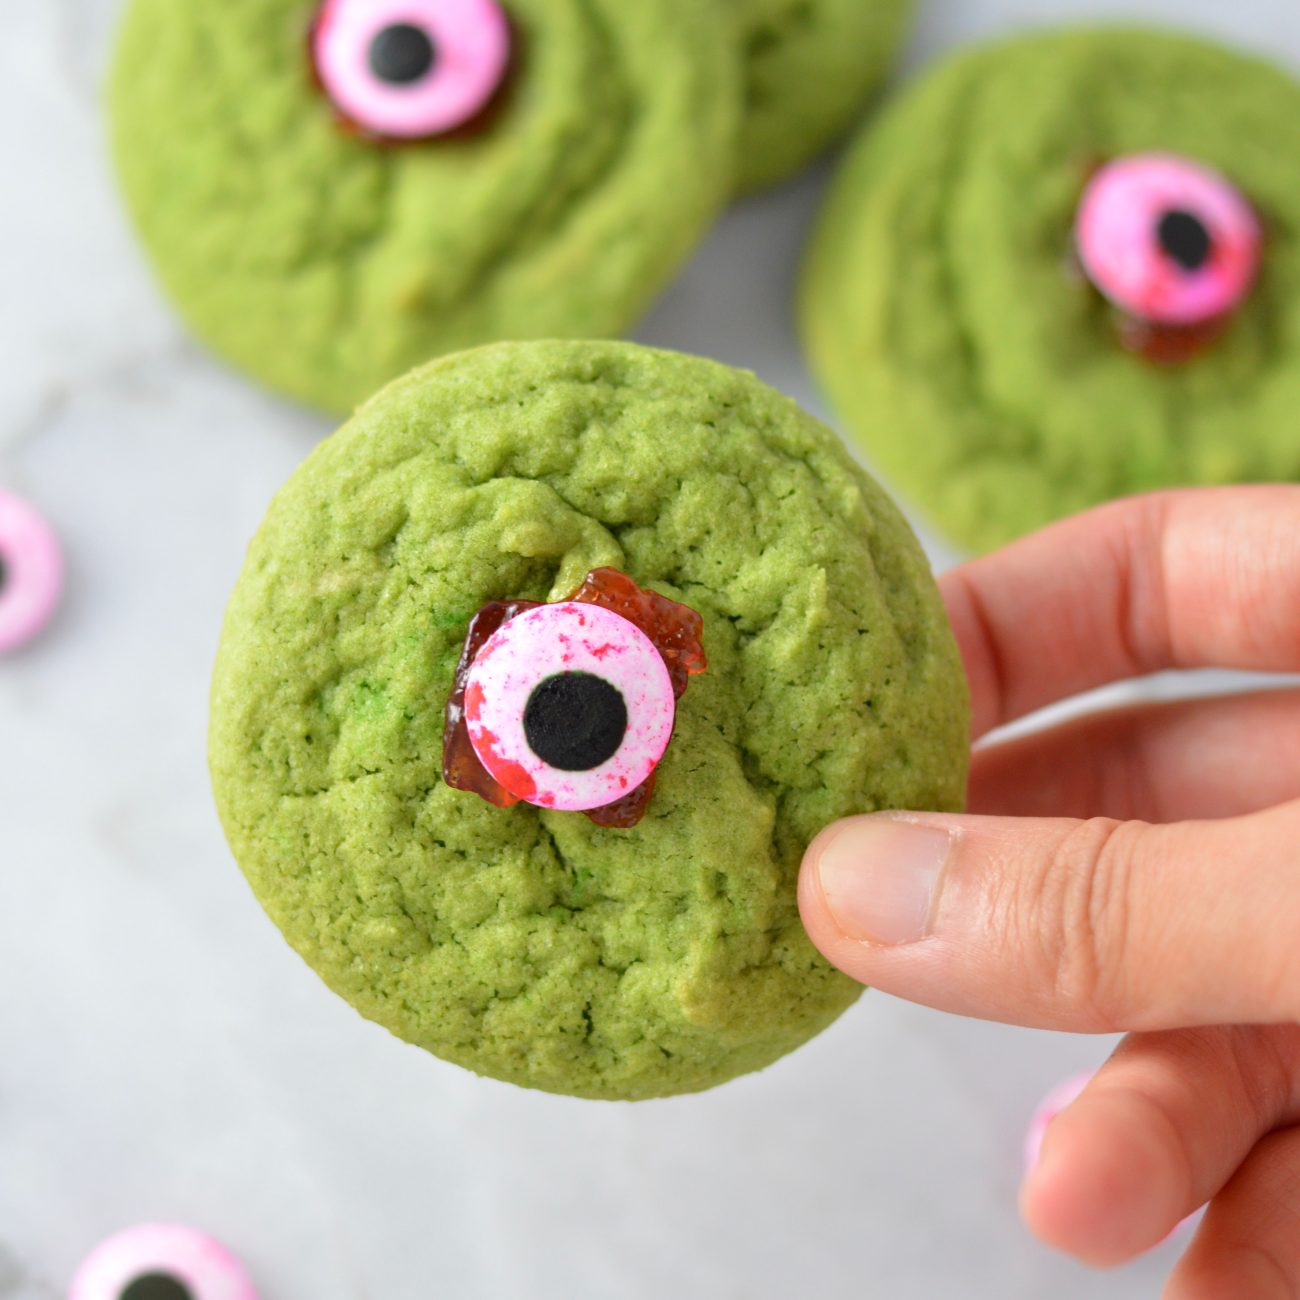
(325, 263)
(810, 67)
(532, 945)
(944, 312)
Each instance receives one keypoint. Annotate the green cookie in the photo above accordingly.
(533, 945)
(945, 312)
(811, 64)
(325, 263)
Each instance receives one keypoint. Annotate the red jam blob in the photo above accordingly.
(675, 631)
(461, 768)
(1169, 345)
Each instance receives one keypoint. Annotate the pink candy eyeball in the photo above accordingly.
(410, 69)
(161, 1261)
(569, 706)
(31, 572)
(1060, 1098)
(1167, 240)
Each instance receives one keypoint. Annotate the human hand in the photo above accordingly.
(1135, 870)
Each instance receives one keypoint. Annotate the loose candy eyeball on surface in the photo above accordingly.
(410, 69)
(1168, 240)
(1060, 1097)
(161, 1261)
(31, 572)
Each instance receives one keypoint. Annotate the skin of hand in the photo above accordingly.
(1137, 870)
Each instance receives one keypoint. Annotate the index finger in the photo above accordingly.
(1206, 577)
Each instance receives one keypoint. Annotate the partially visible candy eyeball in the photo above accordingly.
(31, 572)
(1167, 240)
(161, 1261)
(569, 706)
(410, 69)
(1062, 1096)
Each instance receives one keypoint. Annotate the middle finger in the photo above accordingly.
(1218, 757)
(1159, 1130)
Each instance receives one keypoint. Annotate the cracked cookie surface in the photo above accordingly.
(947, 319)
(530, 945)
(326, 264)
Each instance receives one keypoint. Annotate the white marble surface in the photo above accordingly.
(163, 1054)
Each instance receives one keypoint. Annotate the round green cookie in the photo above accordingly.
(810, 65)
(533, 945)
(945, 315)
(325, 264)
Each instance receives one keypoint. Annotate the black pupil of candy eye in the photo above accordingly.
(401, 54)
(156, 1286)
(1185, 239)
(575, 721)
(4, 573)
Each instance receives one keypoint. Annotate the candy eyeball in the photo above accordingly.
(569, 706)
(1060, 1098)
(410, 69)
(31, 572)
(161, 1261)
(1167, 240)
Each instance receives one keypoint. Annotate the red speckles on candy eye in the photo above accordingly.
(559, 727)
(473, 702)
(513, 776)
(547, 712)
(677, 630)
(1172, 244)
(410, 69)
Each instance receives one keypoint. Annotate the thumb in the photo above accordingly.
(1081, 925)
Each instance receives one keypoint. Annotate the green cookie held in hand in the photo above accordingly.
(535, 945)
(1063, 269)
(810, 67)
(335, 192)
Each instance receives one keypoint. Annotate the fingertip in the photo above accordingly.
(1102, 1190)
(1054, 1207)
(813, 909)
(810, 890)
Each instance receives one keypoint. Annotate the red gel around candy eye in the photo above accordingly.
(570, 710)
(1172, 244)
(410, 69)
(161, 1261)
(461, 768)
